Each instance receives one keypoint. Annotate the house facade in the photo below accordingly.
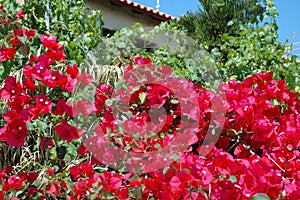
(124, 13)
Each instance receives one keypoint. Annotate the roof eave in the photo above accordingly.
(145, 9)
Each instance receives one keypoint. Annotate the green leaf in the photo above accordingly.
(158, 148)
(174, 101)
(71, 149)
(53, 154)
(165, 170)
(136, 136)
(29, 126)
(142, 97)
(232, 179)
(128, 114)
(108, 102)
(120, 128)
(260, 196)
(41, 125)
(22, 39)
(175, 157)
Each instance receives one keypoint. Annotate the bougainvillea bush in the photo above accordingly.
(256, 155)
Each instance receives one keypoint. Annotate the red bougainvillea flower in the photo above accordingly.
(157, 94)
(2, 176)
(42, 104)
(7, 53)
(5, 22)
(85, 78)
(31, 176)
(82, 150)
(49, 41)
(11, 88)
(83, 107)
(15, 132)
(108, 123)
(13, 182)
(111, 181)
(57, 55)
(28, 84)
(63, 108)
(46, 141)
(8, 170)
(66, 131)
(30, 34)
(54, 188)
(76, 173)
(73, 71)
(141, 61)
(14, 42)
(38, 72)
(141, 124)
(18, 103)
(32, 190)
(19, 32)
(20, 14)
(81, 188)
(56, 79)
(50, 172)
(70, 85)
(103, 92)
(55, 50)
(85, 169)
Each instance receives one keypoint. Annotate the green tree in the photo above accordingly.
(217, 17)
(255, 49)
(239, 47)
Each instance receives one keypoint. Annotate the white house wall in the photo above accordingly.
(116, 17)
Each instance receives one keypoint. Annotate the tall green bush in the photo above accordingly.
(215, 18)
(243, 49)
(164, 44)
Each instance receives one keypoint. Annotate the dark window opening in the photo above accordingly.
(108, 32)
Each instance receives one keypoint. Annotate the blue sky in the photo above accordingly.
(288, 20)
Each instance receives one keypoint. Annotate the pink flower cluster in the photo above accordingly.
(27, 100)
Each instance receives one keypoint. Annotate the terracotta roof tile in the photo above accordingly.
(145, 9)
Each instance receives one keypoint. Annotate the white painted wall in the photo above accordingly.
(116, 17)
